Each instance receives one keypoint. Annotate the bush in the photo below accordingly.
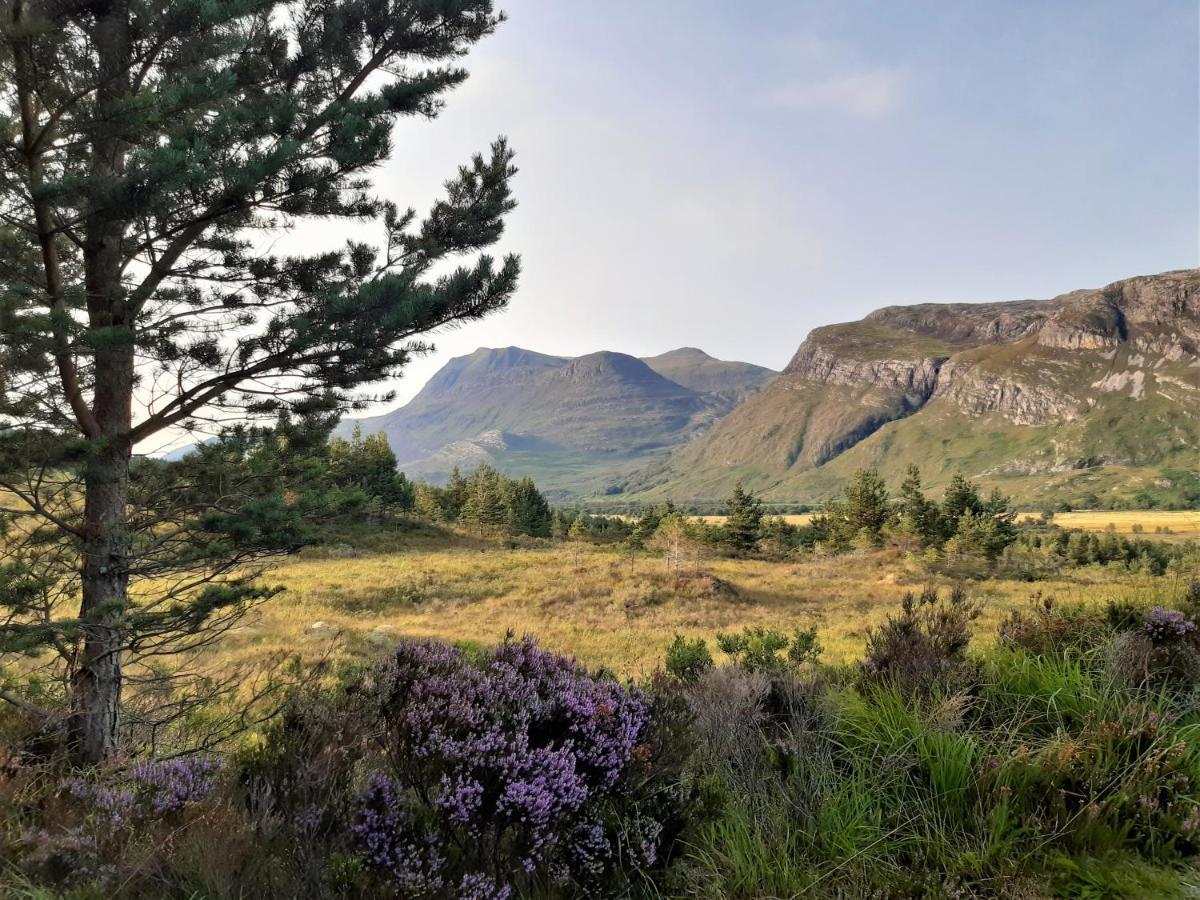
(1161, 653)
(1048, 628)
(1125, 781)
(479, 777)
(688, 660)
(758, 649)
(90, 823)
(925, 646)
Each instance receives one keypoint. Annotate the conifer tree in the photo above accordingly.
(455, 495)
(917, 513)
(743, 522)
(961, 498)
(528, 511)
(368, 463)
(867, 508)
(151, 153)
(486, 507)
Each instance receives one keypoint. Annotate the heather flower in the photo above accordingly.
(511, 752)
(480, 887)
(1167, 626)
(385, 836)
(112, 806)
(170, 785)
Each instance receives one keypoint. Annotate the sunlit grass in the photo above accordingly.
(605, 605)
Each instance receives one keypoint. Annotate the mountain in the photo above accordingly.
(575, 424)
(1088, 396)
(695, 369)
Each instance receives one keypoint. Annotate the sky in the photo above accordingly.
(731, 175)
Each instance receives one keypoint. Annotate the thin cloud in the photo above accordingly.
(871, 94)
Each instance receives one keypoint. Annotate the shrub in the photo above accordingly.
(92, 820)
(758, 649)
(1122, 615)
(1126, 781)
(925, 645)
(762, 734)
(1161, 653)
(481, 777)
(688, 660)
(1048, 628)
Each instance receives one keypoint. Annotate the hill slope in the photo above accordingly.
(1089, 396)
(575, 424)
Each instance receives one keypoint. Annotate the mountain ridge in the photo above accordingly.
(574, 423)
(1124, 354)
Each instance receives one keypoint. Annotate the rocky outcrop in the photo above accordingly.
(916, 378)
(1150, 321)
(978, 392)
(968, 324)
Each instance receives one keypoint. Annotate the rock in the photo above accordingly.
(383, 635)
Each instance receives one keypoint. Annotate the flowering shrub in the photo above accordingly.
(98, 815)
(1162, 653)
(1051, 629)
(517, 757)
(925, 645)
(1167, 626)
(479, 776)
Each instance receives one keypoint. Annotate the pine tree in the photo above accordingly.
(150, 153)
(368, 463)
(866, 505)
(528, 511)
(560, 526)
(454, 498)
(581, 528)
(486, 507)
(743, 521)
(961, 497)
(917, 513)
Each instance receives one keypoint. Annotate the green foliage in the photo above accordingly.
(528, 512)
(489, 503)
(688, 660)
(743, 522)
(647, 524)
(368, 463)
(860, 515)
(918, 515)
(147, 149)
(759, 649)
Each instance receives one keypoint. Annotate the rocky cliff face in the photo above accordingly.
(916, 378)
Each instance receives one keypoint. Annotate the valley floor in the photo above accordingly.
(605, 605)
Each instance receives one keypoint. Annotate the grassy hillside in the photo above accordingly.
(1088, 400)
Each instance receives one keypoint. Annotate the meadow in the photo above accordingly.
(607, 605)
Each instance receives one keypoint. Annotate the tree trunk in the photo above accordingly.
(96, 683)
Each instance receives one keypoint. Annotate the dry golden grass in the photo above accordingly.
(1163, 524)
(601, 604)
(1167, 524)
(791, 519)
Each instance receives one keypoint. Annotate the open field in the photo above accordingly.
(1163, 524)
(607, 606)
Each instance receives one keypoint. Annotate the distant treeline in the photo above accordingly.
(963, 532)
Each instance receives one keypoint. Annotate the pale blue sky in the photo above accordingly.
(729, 175)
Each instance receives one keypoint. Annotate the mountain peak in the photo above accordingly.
(680, 353)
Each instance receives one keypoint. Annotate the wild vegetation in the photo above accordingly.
(899, 730)
(457, 690)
